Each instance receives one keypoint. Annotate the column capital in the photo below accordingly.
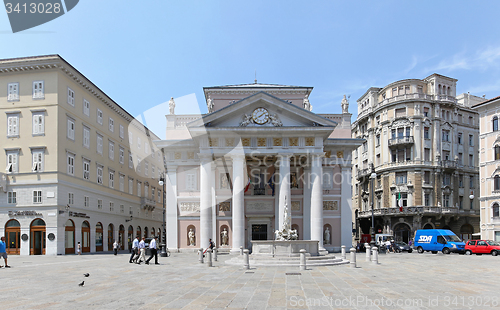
(205, 157)
(235, 157)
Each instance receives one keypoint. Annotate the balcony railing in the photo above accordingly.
(449, 164)
(401, 141)
(259, 191)
(363, 172)
(417, 210)
(147, 203)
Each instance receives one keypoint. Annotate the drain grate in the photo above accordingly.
(293, 273)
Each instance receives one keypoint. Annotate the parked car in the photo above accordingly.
(435, 240)
(482, 247)
(401, 246)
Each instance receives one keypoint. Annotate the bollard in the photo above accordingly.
(209, 257)
(241, 250)
(246, 259)
(343, 252)
(215, 254)
(367, 247)
(375, 255)
(303, 259)
(353, 257)
(200, 252)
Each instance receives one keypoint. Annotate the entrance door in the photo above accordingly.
(85, 236)
(69, 234)
(98, 237)
(121, 237)
(259, 232)
(37, 237)
(402, 232)
(13, 234)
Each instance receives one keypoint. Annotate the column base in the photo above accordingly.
(234, 251)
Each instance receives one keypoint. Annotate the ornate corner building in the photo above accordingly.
(422, 142)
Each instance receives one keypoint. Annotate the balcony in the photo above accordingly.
(422, 210)
(363, 173)
(259, 191)
(405, 140)
(148, 204)
(449, 164)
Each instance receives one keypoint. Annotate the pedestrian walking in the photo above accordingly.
(142, 251)
(3, 251)
(79, 248)
(211, 245)
(135, 253)
(154, 251)
(115, 247)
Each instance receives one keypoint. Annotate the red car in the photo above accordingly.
(482, 247)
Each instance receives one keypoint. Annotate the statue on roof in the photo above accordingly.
(345, 105)
(210, 104)
(306, 104)
(171, 105)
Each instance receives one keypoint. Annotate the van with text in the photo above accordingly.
(435, 240)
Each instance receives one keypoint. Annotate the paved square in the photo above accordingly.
(401, 281)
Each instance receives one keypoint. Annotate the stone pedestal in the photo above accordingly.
(288, 248)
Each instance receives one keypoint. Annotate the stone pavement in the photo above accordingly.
(400, 281)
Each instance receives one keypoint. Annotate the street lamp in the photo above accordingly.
(373, 176)
(164, 237)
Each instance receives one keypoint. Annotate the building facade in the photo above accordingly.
(78, 167)
(489, 167)
(422, 142)
(232, 173)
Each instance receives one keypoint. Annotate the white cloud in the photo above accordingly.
(479, 60)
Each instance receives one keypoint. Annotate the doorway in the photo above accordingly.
(121, 237)
(37, 237)
(98, 237)
(111, 236)
(13, 236)
(85, 237)
(69, 237)
(402, 232)
(259, 232)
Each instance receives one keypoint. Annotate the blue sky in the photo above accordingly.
(141, 53)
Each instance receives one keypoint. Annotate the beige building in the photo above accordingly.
(78, 167)
(422, 140)
(489, 167)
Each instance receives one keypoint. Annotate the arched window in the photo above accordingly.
(496, 184)
(495, 210)
(496, 150)
(495, 123)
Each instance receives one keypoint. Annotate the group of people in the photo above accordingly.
(139, 251)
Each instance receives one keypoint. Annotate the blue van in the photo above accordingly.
(435, 240)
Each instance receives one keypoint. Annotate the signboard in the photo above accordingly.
(24, 213)
(366, 238)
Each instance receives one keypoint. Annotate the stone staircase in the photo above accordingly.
(268, 261)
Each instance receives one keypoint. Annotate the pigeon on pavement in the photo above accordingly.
(81, 284)
(86, 275)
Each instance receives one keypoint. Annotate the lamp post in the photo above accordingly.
(164, 232)
(373, 176)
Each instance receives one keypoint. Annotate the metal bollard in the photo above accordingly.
(209, 257)
(375, 255)
(368, 250)
(353, 257)
(246, 259)
(215, 254)
(241, 250)
(343, 252)
(200, 252)
(303, 259)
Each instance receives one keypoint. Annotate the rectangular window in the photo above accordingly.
(111, 150)
(86, 137)
(139, 186)
(13, 92)
(446, 201)
(377, 140)
(71, 129)
(11, 197)
(121, 157)
(471, 120)
(426, 133)
(427, 154)
(401, 177)
(86, 201)
(12, 125)
(152, 193)
(38, 92)
(71, 97)
(446, 179)
(130, 160)
(131, 186)
(12, 160)
(111, 125)
(426, 110)
(112, 179)
(146, 190)
(37, 165)
(122, 209)
(99, 144)
(459, 138)
(122, 182)
(38, 124)
(401, 112)
(99, 117)
(446, 155)
(460, 202)
(471, 160)
(71, 198)
(37, 196)
(86, 169)
(460, 159)
(71, 164)
(191, 181)
(471, 181)
(99, 203)
(461, 180)
(146, 168)
(111, 206)
(130, 139)
(471, 140)
(99, 174)
(86, 107)
(122, 131)
(446, 136)
(427, 200)
(427, 177)
(138, 143)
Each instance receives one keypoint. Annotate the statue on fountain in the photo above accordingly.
(286, 232)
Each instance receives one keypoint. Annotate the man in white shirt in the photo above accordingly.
(142, 250)
(154, 251)
(135, 246)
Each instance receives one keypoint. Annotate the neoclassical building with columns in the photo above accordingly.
(259, 150)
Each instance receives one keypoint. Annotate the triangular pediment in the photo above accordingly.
(276, 113)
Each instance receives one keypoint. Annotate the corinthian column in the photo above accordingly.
(317, 200)
(238, 212)
(284, 180)
(205, 200)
